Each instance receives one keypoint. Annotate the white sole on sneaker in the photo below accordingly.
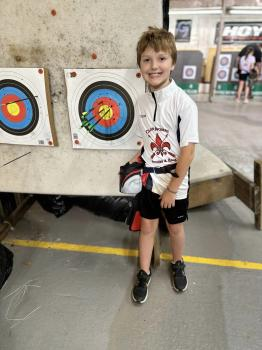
(179, 290)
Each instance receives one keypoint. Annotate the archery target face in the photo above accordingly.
(222, 74)
(24, 118)
(102, 107)
(225, 60)
(189, 72)
(234, 75)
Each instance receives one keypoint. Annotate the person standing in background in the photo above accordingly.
(246, 63)
(258, 57)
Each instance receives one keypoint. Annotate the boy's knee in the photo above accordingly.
(147, 232)
(148, 227)
(175, 229)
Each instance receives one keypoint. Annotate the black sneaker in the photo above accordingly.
(178, 276)
(140, 290)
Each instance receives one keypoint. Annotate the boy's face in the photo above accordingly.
(156, 67)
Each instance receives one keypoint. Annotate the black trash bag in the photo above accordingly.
(6, 264)
(8, 204)
(115, 208)
(55, 204)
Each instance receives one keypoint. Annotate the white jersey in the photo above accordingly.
(163, 117)
(246, 63)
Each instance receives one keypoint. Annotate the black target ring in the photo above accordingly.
(119, 109)
(27, 116)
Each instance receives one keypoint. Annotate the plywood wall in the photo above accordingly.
(64, 34)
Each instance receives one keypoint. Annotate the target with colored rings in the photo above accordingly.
(189, 72)
(102, 107)
(222, 74)
(106, 110)
(19, 113)
(224, 60)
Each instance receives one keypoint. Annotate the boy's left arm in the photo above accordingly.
(168, 197)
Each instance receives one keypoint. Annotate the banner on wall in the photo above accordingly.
(183, 30)
(240, 32)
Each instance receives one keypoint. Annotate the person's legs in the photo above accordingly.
(149, 207)
(246, 92)
(177, 266)
(240, 88)
(146, 242)
(175, 218)
(177, 240)
(250, 93)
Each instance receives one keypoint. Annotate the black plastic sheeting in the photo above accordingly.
(113, 207)
(116, 208)
(6, 264)
(8, 204)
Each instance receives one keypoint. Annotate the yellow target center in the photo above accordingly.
(105, 112)
(13, 109)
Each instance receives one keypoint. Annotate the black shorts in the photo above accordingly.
(149, 206)
(243, 76)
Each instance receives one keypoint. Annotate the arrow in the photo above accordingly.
(9, 103)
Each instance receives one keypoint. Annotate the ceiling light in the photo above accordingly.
(196, 11)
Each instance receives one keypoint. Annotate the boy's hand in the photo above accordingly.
(167, 199)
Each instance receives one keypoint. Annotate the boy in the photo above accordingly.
(167, 120)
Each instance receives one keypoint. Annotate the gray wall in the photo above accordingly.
(32, 37)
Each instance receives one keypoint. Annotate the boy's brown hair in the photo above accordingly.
(158, 39)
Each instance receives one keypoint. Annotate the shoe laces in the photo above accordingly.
(179, 268)
(142, 278)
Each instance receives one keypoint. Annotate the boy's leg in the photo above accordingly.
(146, 242)
(175, 218)
(150, 209)
(177, 240)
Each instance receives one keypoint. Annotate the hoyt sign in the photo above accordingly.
(241, 32)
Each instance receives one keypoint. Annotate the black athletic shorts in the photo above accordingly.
(243, 76)
(149, 206)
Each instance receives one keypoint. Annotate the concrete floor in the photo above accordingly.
(62, 299)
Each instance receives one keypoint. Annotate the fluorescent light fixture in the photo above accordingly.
(244, 10)
(196, 11)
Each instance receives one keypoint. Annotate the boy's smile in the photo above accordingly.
(156, 67)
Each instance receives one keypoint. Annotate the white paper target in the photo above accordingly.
(101, 106)
(189, 72)
(222, 74)
(25, 113)
(225, 60)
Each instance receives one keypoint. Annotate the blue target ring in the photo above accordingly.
(106, 110)
(17, 97)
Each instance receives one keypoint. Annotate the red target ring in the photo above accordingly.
(113, 111)
(7, 102)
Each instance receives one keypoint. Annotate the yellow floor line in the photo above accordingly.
(131, 252)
